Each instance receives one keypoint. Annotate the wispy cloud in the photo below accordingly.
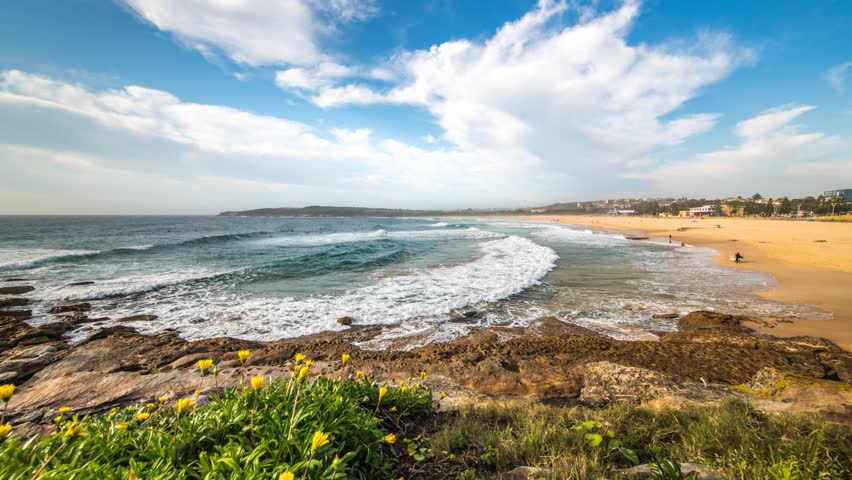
(838, 74)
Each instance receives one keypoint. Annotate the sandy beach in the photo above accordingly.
(810, 261)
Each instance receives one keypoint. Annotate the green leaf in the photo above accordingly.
(593, 439)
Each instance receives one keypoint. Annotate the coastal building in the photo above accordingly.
(616, 210)
(844, 194)
(702, 211)
(733, 211)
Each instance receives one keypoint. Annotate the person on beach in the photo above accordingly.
(682, 244)
(737, 257)
(670, 239)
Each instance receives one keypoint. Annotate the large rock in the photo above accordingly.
(704, 320)
(27, 361)
(16, 314)
(607, 382)
(776, 391)
(526, 473)
(641, 472)
(345, 321)
(77, 307)
(16, 290)
(13, 302)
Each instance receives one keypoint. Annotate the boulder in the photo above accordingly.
(27, 361)
(138, 318)
(525, 473)
(17, 290)
(607, 382)
(54, 330)
(13, 302)
(77, 307)
(16, 314)
(75, 318)
(345, 321)
(645, 472)
(704, 320)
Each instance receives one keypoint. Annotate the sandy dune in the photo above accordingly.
(811, 261)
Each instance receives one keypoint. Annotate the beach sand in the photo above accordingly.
(810, 261)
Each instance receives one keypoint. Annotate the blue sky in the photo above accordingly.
(152, 106)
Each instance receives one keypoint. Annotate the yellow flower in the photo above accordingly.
(422, 375)
(319, 440)
(163, 399)
(299, 357)
(57, 419)
(183, 404)
(443, 395)
(142, 416)
(382, 392)
(204, 365)
(359, 373)
(286, 476)
(113, 410)
(309, 363)
(257, 383)
(393, 408)
(215, 371)
(6, 392)
(4, 431)
(304, 372)
(64, 410)
(73, 429)
(390, 438)
(197, 392)
(344, 359)
(121, 425)
(151, 405)
(243, 356)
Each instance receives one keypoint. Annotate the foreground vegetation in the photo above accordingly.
(355, 428)
(731, 437)
(283, 429)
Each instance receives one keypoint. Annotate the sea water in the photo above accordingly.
(266, 278)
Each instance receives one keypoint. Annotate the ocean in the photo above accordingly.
(266, 278)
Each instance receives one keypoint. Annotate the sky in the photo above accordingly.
(201, 106)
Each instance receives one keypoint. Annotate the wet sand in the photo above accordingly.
(810, 261)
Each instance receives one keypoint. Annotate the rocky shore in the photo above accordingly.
(711, 357)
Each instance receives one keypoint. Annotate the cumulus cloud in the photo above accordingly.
(565, 94)
(254, 32)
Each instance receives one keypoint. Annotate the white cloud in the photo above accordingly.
(99, 133)
(774, 155)
(254, 32)
(838, 74)
(566, 95)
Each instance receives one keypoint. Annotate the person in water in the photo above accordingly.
(738, 257)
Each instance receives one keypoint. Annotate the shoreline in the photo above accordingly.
(811, 262)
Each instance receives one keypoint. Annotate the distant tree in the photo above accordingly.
(786, 207)
(756, 196)
(769, 208)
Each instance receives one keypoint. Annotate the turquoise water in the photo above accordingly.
(272, 277)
